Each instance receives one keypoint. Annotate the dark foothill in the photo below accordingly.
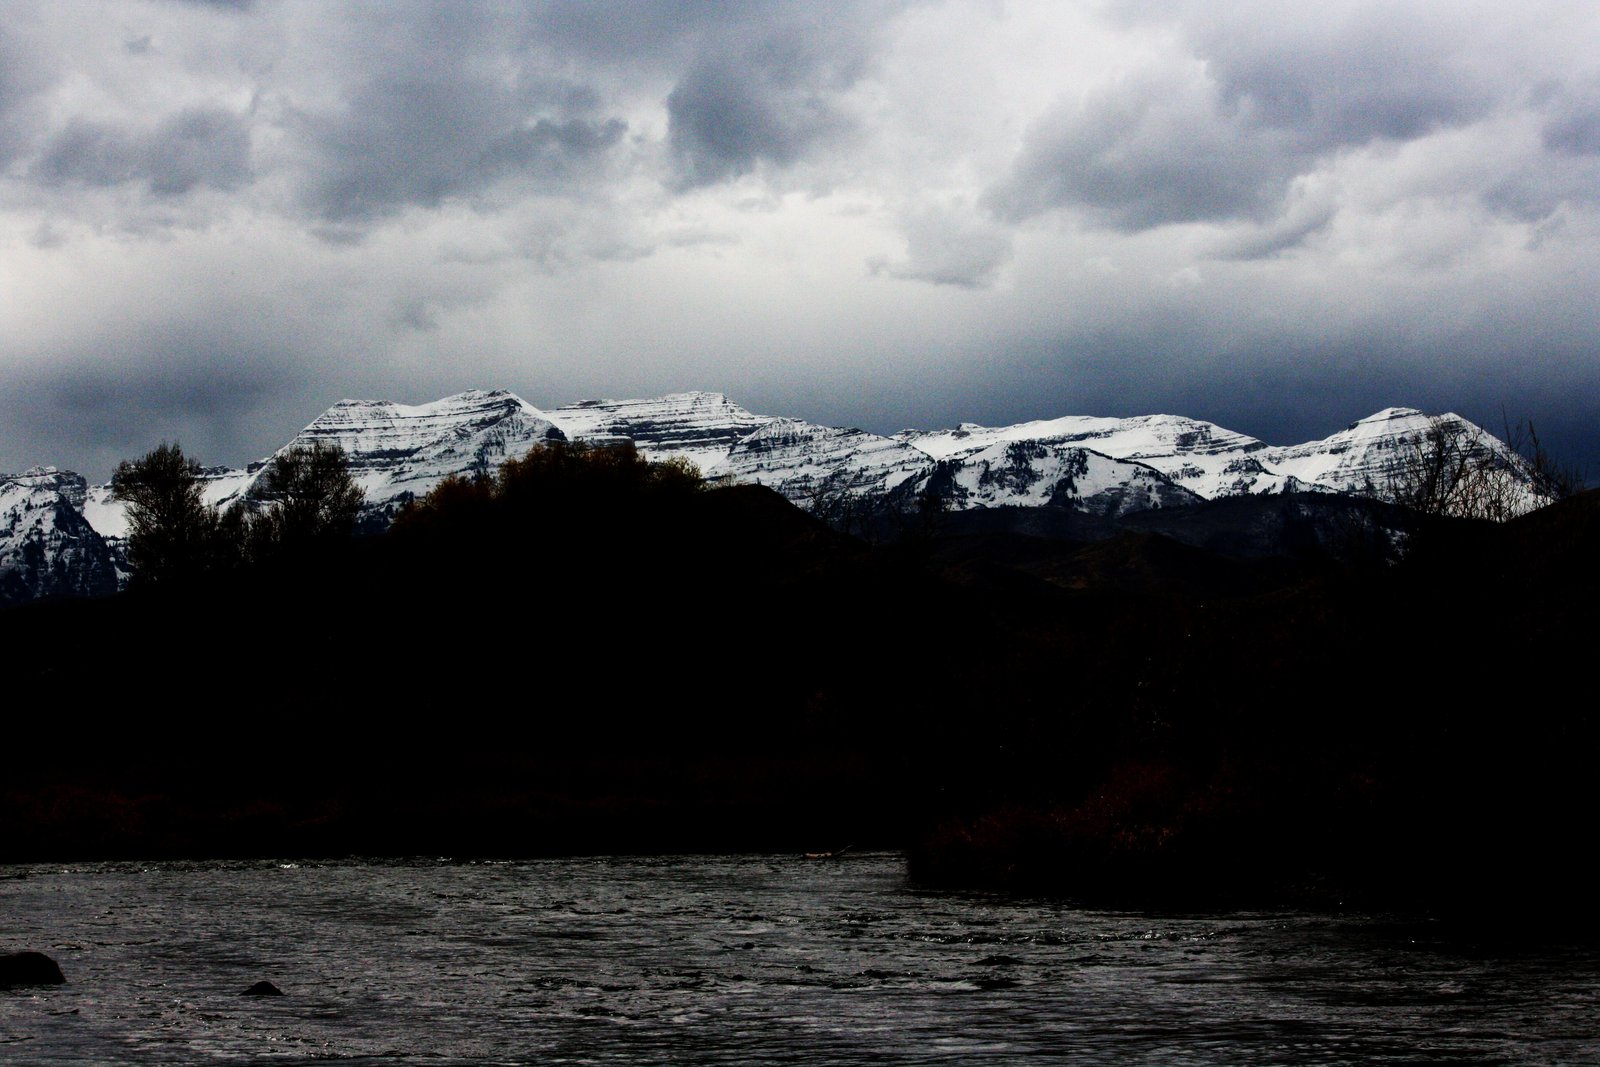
(29, 968)
(262, 989)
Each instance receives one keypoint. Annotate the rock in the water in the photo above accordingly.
(262, 989)
(29, 968)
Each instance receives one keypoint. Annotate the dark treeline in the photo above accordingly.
(592, 653)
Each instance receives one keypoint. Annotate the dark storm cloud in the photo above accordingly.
(461, 98)
(612, 31)
(674, 33)
(767, 91)
(1368, 75)
(201, 382)
(20, 80)
(945, 247)
(729, 114)
(415, 140)
(1263, 95)
(1573, 125)
(464, 97)
(1535, 189)
(195, 147)
(1154, 149)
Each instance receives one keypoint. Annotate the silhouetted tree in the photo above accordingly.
(1453, 469)
(310, 494)
(171, 530)
(1552, 479)
(573, 479)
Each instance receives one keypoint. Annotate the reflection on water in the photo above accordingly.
(741, 960)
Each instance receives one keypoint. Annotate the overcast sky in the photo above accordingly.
(218, 219)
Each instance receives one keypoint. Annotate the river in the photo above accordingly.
(743, 960)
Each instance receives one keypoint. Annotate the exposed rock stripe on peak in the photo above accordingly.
(699, 427)
(805, 462)
(817, 466)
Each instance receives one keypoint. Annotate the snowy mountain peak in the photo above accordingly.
(1364, 457)
(47, 547)
(69, 484)
(401, 451)
(474, 406)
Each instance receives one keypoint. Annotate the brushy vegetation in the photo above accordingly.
(307, 497)
(1455, 470)
(577, 481)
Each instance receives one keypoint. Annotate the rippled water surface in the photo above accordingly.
(742, 960)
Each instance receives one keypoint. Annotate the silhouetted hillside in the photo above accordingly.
(629, 662)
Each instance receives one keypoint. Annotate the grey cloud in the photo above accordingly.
(89, 152)
(1573, 127)
(415, 137)
(1297, 222)
(197, 382)
(551, 152)
(1153, 149)
(673, 33)
(727, 117)
(947, 248)
(767, 90)
(1535, 189)
(612, 31)
(20, 81)
(195, 147)
(1268, 92)
(749, 82)
(1575, 133)
(1345, 74)
(1373, 77)
(1533, 186)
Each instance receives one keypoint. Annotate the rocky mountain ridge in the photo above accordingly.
(47, 547)
(60, 536)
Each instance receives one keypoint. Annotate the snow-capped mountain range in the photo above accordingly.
(60, 536)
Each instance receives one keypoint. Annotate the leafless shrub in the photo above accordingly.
(1454, 469)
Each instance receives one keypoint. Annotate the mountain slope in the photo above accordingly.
(1099, 468)
(47, 547)
(1367, 457)
(1038, 473)
(698, 427)
(398, 451)
(1199, 456)
(807, 463)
